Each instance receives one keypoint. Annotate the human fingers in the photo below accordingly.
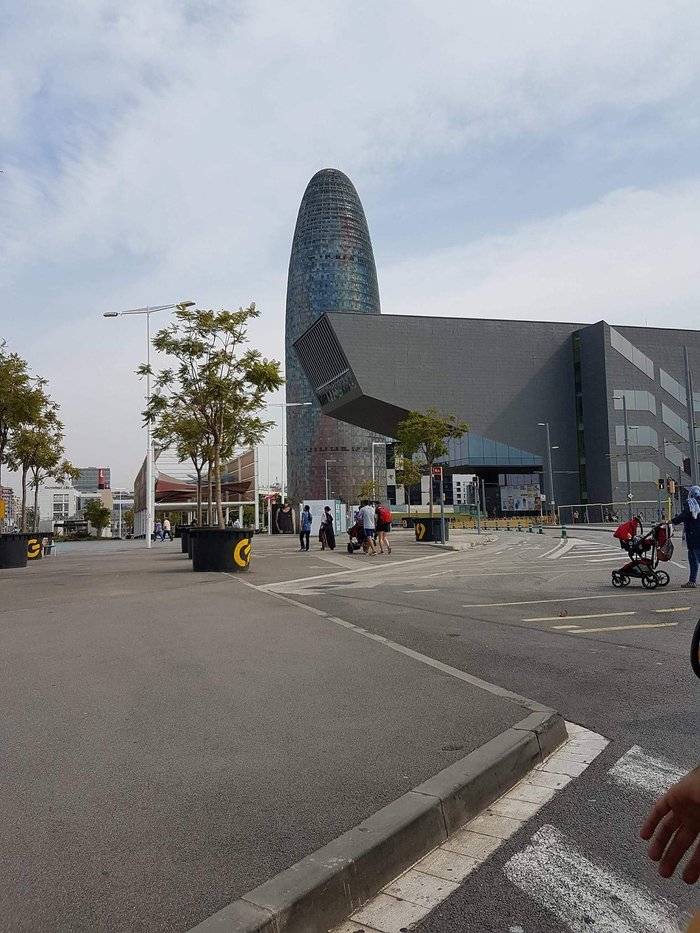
(681, 842)
(666, 828)
(658, 812)
(691, 872)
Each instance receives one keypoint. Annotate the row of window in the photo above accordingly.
(641, 471)
(631, 353)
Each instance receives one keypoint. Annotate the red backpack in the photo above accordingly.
(384, 515)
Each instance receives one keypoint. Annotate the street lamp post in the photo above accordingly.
(148, 311)
(545, 424)
(328, 495)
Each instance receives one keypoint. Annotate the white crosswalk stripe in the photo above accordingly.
(586, 897)
(591, 551)
(647, 772)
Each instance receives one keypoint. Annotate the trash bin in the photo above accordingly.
(222, 550)
(177, 530)
(428, 529)
(184, 536)
(13, 551)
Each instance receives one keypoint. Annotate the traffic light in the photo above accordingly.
(660, 483)
(437, 472)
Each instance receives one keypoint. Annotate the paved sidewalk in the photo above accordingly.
(171, 739)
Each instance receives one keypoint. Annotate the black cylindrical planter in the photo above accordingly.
(13, 551)
(428, 529)
(184, 535)
(177, 530)
(222, 550)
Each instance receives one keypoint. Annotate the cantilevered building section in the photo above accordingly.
(331, 269)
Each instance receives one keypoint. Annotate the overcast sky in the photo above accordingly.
(533, 160)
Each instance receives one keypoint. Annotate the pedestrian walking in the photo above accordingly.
(326, 534)
(368, 526)
(166, 529)
(383, 528)
(158, 531)
(691, 531)
(305, 528)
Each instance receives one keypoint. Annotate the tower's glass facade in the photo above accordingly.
(331, 268)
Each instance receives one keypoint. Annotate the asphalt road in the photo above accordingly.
(171, 740)
(539, 616)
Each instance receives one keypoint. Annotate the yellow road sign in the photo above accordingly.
(420, 530)
(33, 548)
(2, 508)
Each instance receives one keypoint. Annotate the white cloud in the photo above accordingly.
(630, 258)
(158, 150)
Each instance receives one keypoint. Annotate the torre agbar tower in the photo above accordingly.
(331, 268)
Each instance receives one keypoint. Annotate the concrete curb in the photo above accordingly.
(324, 888)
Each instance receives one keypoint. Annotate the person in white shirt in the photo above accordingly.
(368, 527)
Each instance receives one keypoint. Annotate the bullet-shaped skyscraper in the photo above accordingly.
(331, 268)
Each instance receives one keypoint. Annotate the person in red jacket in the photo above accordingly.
(383, 528)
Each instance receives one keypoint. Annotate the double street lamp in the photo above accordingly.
(550, 472)
(328, 495)
(148, 311)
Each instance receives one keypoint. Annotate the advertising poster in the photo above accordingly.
(520, 498)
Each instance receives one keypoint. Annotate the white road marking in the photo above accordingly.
(623, 628)
(640, 769)
(585, 896)
(565, 626)
(560, 550)
(679, 609)
(563, 599)
(433, 590)
(589, 615)
(365, 568)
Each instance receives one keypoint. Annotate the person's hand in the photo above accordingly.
(673, 827)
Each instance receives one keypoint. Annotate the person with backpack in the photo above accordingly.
(305, 529)
(383, 528)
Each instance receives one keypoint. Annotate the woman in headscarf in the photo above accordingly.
(691, 528)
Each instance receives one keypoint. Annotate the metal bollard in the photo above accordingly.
(563, 531)
(529, 527)
(540, 530)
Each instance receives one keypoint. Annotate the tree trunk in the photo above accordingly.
(430, 488)
(199, 494)
(35, 520)
(217, 489)
(209, 491)
(24, 499)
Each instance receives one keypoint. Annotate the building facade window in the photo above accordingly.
(640, 472)
(636, 400)
(61, 506)
(672, 453)
(639, 436)
(675, 422)
(673, 387)
(631, 353)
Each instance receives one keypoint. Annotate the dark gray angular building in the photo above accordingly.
(331, 270)
(506, 379)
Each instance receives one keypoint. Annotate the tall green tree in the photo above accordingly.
(28, 444)
(408, 473)
(427, 433)
(176, 427)
(98, 515)
(21, 398)
(218, 380)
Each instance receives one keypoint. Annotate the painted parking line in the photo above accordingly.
(433, 590)
(623, 628)
(589, 615)
(563, 599)
(679, 609)
(565, 627)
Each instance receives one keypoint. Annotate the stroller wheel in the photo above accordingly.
(350, 548)
(663, 577)
(617, 579)
(626, 580)
(649, 581)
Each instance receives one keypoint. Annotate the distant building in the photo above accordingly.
(331, 268)
(92, 479)
(610, 398)
(7, 495)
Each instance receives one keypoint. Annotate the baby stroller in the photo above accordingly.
(645, 551)
(357, 538)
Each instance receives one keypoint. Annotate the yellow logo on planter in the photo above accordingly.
(420, 530)
(33, 548)
(241, 553)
